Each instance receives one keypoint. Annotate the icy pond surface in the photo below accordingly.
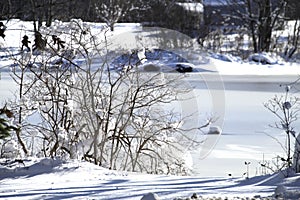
(246, 137)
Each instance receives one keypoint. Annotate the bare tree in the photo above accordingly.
(262, 18)
(42, 93)
(111, 11)
(51, 94)
(119, 115)
(116, 119)
(22, 107)
(286, 109)
(5, 8)
(293, 41)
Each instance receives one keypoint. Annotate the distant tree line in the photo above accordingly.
(165, 13)
(255, 18)
(108, 11)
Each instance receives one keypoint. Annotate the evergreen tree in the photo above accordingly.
(5, 128)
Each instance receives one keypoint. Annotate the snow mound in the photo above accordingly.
(285, 193)
(263, 58)
(225, 57)
(150, 196)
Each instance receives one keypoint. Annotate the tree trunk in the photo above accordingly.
(48, 13)
(252, 26)
(18, 132)
(265, 29)
(296, 161)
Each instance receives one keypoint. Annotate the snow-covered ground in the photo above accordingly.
(247, 86)
(132, 36)
(54, 179)
(247, 68)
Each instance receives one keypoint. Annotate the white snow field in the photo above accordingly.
(54, 179)
(246, 137)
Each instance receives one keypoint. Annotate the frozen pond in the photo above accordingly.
(247, 136)
(246, 132)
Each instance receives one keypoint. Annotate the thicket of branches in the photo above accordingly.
(253, 26)
(286, 108)
(86, 110)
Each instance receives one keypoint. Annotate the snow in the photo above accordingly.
(248, 68)
(263, 58)
(221, 2)
(150, 196)
(16, 30)
(36, 178)
(56, 179)
(193, 7)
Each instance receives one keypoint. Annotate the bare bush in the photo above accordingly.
(75, 105)
(286, 109)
